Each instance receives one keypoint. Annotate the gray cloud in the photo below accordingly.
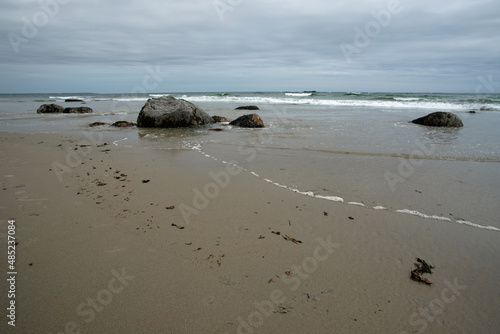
(249, 45)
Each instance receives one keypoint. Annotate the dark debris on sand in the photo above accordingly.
(422, 267)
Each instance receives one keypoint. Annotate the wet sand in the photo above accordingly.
(98, 251)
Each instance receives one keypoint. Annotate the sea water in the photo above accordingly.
(356, 148)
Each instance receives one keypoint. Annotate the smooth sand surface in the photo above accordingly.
(97, 251)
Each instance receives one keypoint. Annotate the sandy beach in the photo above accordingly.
(249, 167)
(113, 239)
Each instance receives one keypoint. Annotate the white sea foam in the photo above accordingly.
(465, 222)
(62, 98)
(392, 104)
(404, 211)
(305, 193)
(196, 147)
(367, 100)
(298, 94)
(459, 221)
(330, 198)
(131, 99)
(416, 213)
(120, 140)
(407, 99)
(159, 95)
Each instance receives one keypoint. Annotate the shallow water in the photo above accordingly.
(360, 148)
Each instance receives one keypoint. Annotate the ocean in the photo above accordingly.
(352, 147)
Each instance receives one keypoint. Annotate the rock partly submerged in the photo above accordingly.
(97, 124)
(440, 119)
(50, 109)
(248, 121)
(169, 112)
(220, 119)
(118, 124)
(248, 108)
(123, 124)
(78, 110)
(57, 109)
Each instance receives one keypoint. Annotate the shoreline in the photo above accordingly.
(375, 205)
(217, 275)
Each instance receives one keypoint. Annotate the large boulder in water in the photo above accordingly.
(50, 109)
(440, 118)
(169, 112)
(248, 121)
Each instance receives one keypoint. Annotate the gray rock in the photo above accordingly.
(55, 108)
(169, 112)
(248, 121)
(78, 110)
(248, 108)
(439, 118)
(97, 124)
(50, 109)
(123, 124)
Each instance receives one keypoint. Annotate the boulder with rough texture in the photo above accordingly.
(440, 118)
(50, 109)
(248, 108)
(248, 121)
(169, 112)
(78, 110)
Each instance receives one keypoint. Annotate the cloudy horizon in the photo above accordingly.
(70, 46)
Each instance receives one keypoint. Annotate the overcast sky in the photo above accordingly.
(127, 46)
